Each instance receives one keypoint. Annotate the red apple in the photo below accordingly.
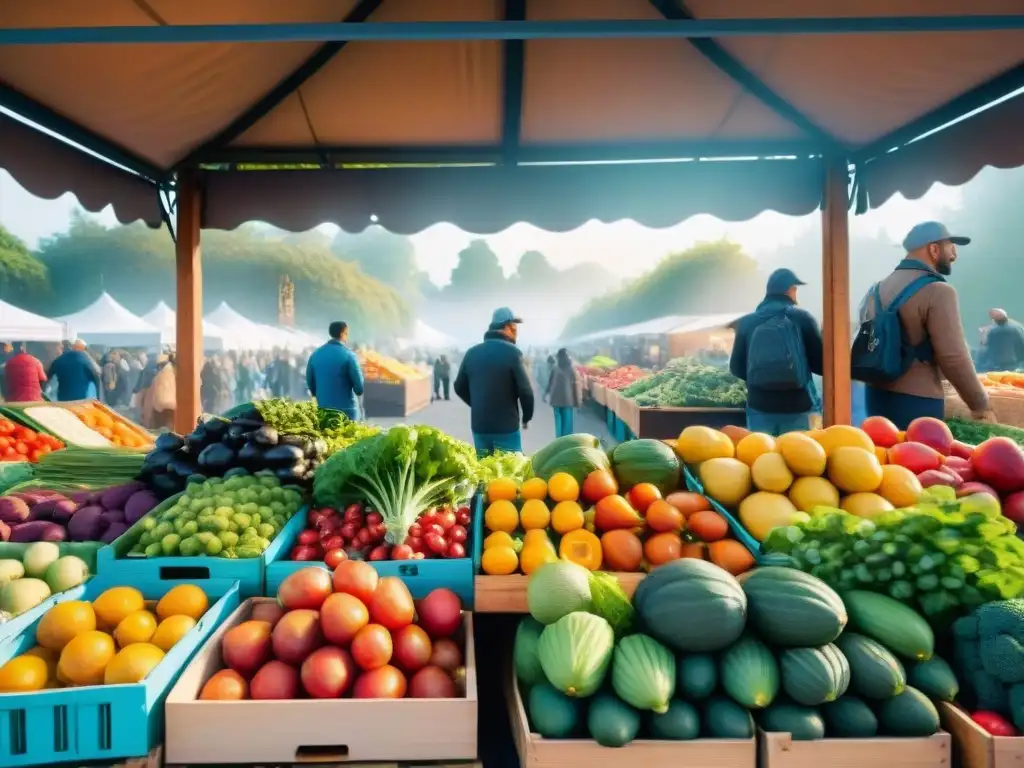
(939, 477)
(999, 461)
(968, 489)
(963, 450)
(1013, 507)
(932, 432)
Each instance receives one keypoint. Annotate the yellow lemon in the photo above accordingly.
(537, 538)
(499, 561)
(804, 456)
(534, 488)
(752, 446)
(770, 473)
(499, 539)
(117, 602)
(843, 435)
(725, 480)
(900, 487)
(866, 505)
(534, 514)
(183, 600)
(132, 664)
(534, 557)
(63, 621)
(567, 516)
(854, 470)
(501, 515)
(563, 487)
(697, 444)
(501, 489)
(84, 659)
(136, 627)
(23, 674)
(806, 493)
(761, 512)
(171, 630)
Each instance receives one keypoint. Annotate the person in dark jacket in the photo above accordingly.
(778, 411)
(333, 375)
(562, 393)
(1004, 343)
(442, 378)
(494, 383)
(74, 371)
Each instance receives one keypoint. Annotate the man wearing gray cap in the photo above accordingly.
(932, 332)
(777, 348)
(494, 383)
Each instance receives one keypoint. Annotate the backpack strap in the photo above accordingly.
(908, 291)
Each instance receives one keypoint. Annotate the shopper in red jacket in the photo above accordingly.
(24, 377)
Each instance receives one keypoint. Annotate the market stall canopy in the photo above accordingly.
(165, 320)
(20, 325)
(662, 326)
(430, 338)
(106, 323)
(245, 334)
(503, 107)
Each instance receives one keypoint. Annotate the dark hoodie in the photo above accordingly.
(786, 401)
(494, 383)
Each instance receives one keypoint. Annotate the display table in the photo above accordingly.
(385, 400)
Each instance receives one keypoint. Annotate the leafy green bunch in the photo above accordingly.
(305, 417)
(685, 382)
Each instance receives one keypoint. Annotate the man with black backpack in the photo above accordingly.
(911, 335)
(777, 348)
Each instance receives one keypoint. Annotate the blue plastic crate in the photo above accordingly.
(114, 561)
(741, 533)
(103, 722)
(421, 576)
(609, 419)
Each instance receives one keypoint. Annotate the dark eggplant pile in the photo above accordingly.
(217, 446)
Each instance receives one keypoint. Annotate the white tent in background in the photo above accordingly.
(431, 338)
(106, 323)
(164, 319)
(21, 325)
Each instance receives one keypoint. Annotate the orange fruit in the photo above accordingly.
(534, 488)
(23, 674)
(63, 622)
(501, 489)
(843, 435)
(183, 600)
(752, 446)
(115, 603)
(85, 658)
(900, 487)
(731, 556)
(865, 505)
(563, 487)
(136, 627)
(132, 664)
(171, 630)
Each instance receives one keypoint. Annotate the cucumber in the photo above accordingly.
(725, 719)
(680, 723)
(935, 679)
(812, 676)
(792, 609)
(909, 714)
(802, 723)
(849, 718)
(874, 672)
(899, 628)
(696, 676)
(750, 673)
(611, 721)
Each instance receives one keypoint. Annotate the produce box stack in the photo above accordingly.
(358, 652)
(573, 510)
(84, 423)
(103, 647)
(684, 393)
(393, 389)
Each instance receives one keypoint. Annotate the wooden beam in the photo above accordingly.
(835, 256)
(189, 352)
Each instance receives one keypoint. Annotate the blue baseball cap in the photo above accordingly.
(928, 232)
(781, 280)
(503, 316)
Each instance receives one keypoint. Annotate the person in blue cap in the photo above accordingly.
(929, 318)
(494, 383)
(777, 348)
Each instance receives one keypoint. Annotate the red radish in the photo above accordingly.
(316, 515)
(436, 543)
(433, 528)
(463, 516)
(440, 613)
(1013, 507)
(332, 542)
(431, 683)
(401, 552)
(415, 543)
(381, 552)
(455, 551)
(364, 537)
(458, 533)
(348, 531)
(374, 518)
(415, 531)
(307, 537)
(446, 520)
(304, 553)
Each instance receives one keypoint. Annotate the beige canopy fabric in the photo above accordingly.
(164, 103)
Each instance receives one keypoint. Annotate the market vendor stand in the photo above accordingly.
(395, 400)
(667, 423)
(780, 750)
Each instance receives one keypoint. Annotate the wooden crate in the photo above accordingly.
(507, 594)
(780, 750)
(155, 760)
(537, 752)
(667, 423)
(974, 747)
(599, 392)
(385, 400)
(314, 730)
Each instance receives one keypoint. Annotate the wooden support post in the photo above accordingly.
(189, 351)
(835, 255)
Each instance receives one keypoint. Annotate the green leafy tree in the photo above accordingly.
(477, 274)
(708, 278)
(536, 274)
(23, 278)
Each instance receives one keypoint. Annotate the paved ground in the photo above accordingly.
(453, 417)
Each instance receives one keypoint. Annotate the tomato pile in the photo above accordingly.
(358, 533)
(18, 443)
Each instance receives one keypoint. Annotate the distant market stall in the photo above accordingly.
(20, 325)
(655, 342)
(164, 319)
(106, 323)
(392, 389)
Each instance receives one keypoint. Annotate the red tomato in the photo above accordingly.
(356, 578)
(21, 448)
(642, 495)
(34, 457)
(334, 556)
(994, 723)
(5, 443)
(6, 427)
(307, 537)
(380, 552)
(372, 647)
(392, 604)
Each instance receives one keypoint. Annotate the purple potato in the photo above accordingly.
(38, 530)
(87, 524)
(63, 511)
(117, 497)
(5, 532)
(115, 530)
(114, 516)
(139, 505)
(13, 509)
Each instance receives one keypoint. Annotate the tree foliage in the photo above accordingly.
(478, 274)
(383, 255)
(708, 278)
(135, 265)
(23, 278)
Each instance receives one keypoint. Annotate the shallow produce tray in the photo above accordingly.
(114, 561)
(16, 411)
(780, 750)
(104, 722)
(974, 747)
(421, 576)
(314, 730)
(537, 752)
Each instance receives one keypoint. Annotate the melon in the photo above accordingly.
(556, 590)
(644, 673)
(575, 651)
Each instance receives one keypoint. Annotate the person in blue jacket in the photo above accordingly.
(75, 371)
(333, 375)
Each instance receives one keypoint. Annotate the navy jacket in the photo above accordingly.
(789, 401)
(334, 377)
(74, 371)
(494, 383)
(1005, 346)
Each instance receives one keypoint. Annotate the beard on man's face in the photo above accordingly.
(945, 266)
